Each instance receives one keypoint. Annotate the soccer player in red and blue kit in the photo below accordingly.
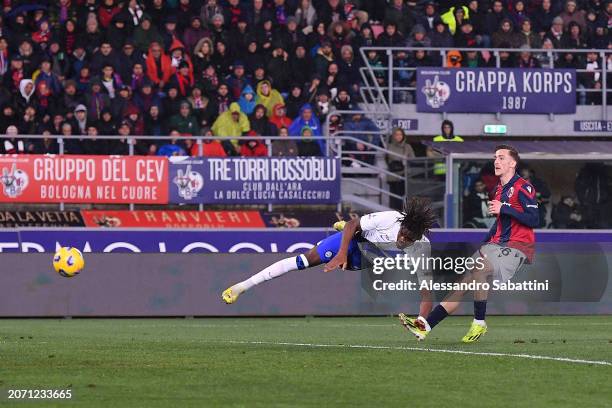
(508, 246)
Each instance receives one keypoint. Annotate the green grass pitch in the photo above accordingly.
(294, 362)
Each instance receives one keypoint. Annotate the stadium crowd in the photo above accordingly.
(245, 68)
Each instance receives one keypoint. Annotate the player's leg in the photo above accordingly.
(421, 326)
(323, 252)
(426, 302)
(279, 268)
(453, 300)
(502, 264)
(479, 326)
(425, 308)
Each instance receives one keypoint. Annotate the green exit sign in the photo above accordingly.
(495, 129)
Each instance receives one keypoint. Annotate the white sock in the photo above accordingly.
(424, 321)
(273, 271)
(480, 322)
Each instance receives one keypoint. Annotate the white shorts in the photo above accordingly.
(505, 261)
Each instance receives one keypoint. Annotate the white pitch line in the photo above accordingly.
(431, 350)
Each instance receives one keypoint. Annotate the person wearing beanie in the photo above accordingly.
(543, 18)
(556, 32)
(279, 67)
(237, 80)
(295, 100)
(79, 125)
(194, 33)
(170, 31)
(307, 146)
(209, 9)
(429, 16)
(183, 79)
(233, 12)
(391, 36)
(216, 27)
(185, 122)
(118, 31)
(571, 13)
(400, 15)
(146, 34)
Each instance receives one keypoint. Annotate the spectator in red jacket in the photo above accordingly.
(107, 11)
(279, 116)
(159, 65)
(253, 147)
(210, 148)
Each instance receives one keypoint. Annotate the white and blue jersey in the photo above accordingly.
(379, 229)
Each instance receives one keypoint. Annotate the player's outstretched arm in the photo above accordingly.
(340, 260)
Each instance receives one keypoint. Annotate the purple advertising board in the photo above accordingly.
(255, 180)
(10, 241)
(221, 241)
(163, 241)
(492, 90)
(191, 285)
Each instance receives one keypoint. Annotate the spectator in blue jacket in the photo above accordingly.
(353, 128)
(307, 118)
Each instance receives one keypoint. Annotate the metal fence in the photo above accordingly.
(382, 96)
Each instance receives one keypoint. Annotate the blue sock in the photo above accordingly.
(480, 309)
(436, 316)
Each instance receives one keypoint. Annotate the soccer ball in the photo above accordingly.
(68, 262)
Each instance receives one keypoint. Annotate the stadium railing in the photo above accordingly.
(335, 147)
(379, 96)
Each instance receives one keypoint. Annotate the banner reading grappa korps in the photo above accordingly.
(255, 180)
(492, 90)
(84, 179)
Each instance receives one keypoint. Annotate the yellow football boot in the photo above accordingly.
(339, 225)
(417, 327)
(230, 295)
(475, 332)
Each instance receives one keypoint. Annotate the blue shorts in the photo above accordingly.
(328, 248)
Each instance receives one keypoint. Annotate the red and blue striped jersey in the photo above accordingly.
(518, 216)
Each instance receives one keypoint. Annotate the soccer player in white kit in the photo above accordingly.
(386, 230)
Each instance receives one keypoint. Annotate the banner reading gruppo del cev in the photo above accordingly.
(84, 179)
(261, 180)
(492, 90)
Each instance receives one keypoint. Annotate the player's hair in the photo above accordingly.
(511, 151)
(417, 217)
